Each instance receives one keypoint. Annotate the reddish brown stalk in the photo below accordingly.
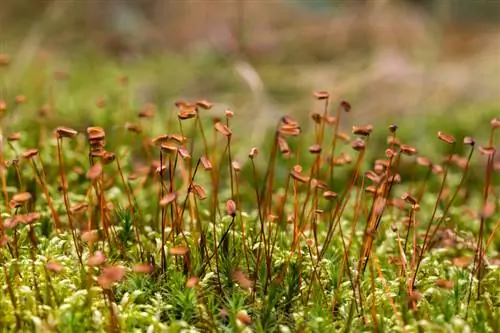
(104, 223)
(421, 191)
(280, 220)
(90, 280)
(387, 290)
(14, 150)
(213, 171)
(214, 211)
(42, 182)
(378, 207)
(431, 220)
(392, 179)
(257, 195)
(176, 224)
(479, 246)
(113, 318)
(349, 273)
(3, 174)
(322, 128)
(230, 162)
(216, 170)
(64, 187)
(314, 275)
(492, 234)
(203, 137)
(4, 185)
(345, 261)
(315, 223)
(262, 236)
(50, 287)
(242, 224)
(357, 212)
(402, 258)
(230, 169)
(452, 200)
(131, 209)
(320, 136)
(342, 203)
(189, 189)
(295, 215)
(377, 210)
(287, 126)
(16, 253)
(33, 248)
(217, 246)
(163, 213)
(309, 220)
(412, 224)
(302, 221)
(19, 177)
(334, 142)
(267, 189)
(189, 181)
(13, 299)
(203, 238)
(411, 217)
(374, 297)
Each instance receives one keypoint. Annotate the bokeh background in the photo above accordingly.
(425, 64)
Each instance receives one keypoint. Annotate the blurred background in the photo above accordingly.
(434, 64)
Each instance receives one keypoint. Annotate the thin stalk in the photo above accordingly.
(163, 222)
(41, 181)
(334, 143)
(374, 297)
(131, 209)
(242, 225)
(62, 175)
(3, 175)
(13, 299)
(431, 220)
